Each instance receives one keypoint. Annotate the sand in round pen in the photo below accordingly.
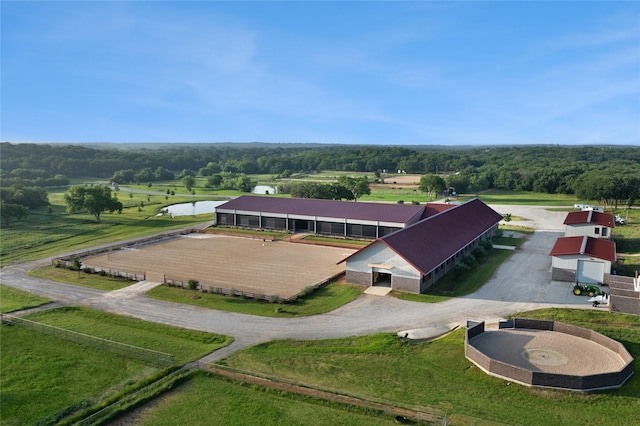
(250, 265)
(548, 351)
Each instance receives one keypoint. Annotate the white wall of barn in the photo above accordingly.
(379, 253)
(570, 262)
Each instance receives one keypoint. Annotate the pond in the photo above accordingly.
(264, 189)
(191, 209)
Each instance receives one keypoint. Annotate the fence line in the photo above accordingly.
(155, 358)
(399, 410)
(133, 276)
(250, 295)
(138, 397)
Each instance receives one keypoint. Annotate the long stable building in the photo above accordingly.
(325, 217)
(414, 245)
(414, 258)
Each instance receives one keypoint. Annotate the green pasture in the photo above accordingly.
(321, 301)
(61, 373)
(330, 240)
(207, 400)
(42, 375)
(43, 234)
(494, 196)
(436, 374)
(185, 345)
(82, 279)
(12, 300)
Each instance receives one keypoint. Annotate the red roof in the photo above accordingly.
(590, 217)
(395, 213)
(435, 208)
(594, 247)
(430, 242)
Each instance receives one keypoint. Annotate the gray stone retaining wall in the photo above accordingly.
(622, 296)
(558, 274)
(551, 380)
(405, 284)
(355, 277)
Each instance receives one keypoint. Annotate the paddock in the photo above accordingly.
(251, 265)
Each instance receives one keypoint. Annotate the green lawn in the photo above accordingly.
(336, 241)
(61, 373)
(42, 374)
(322, 300)
(452, 285)
(495, 196)
(83, 279)
(45, 234)
(206, 400)
(185, 345)
(12, 300)
(436, 374)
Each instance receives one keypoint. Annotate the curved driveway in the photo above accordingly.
(521, 283)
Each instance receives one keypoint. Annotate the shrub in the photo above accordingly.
(461, 268)
(76, 264)
(400, 201)
(274, 298)
(479, 252)
(469, 260)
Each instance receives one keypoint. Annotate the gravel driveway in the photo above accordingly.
(522, 283)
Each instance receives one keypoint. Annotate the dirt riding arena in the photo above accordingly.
(245, 264)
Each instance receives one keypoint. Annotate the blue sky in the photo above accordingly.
(393, 73)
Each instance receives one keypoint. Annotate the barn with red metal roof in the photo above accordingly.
(413, 258)
(582, 259)
(327, 217)
(590, 223)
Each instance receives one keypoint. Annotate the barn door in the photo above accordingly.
(590, 272)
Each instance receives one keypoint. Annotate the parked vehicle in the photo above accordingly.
(588, 289)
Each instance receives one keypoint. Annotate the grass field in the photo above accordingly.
(206, 400)
(61, 373)
(45, 234)
(80, 278)
(321, 301)
(185, 345)
(436, 374)
(14, 300)
(58, 374)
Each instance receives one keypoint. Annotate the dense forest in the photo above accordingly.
(590, 172)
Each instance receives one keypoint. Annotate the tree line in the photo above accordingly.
(607, 174)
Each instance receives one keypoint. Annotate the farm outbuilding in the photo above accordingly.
(582, 259)
(325, 217)
(590, 223)
(415, 257)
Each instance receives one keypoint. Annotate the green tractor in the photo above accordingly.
(588, 289)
